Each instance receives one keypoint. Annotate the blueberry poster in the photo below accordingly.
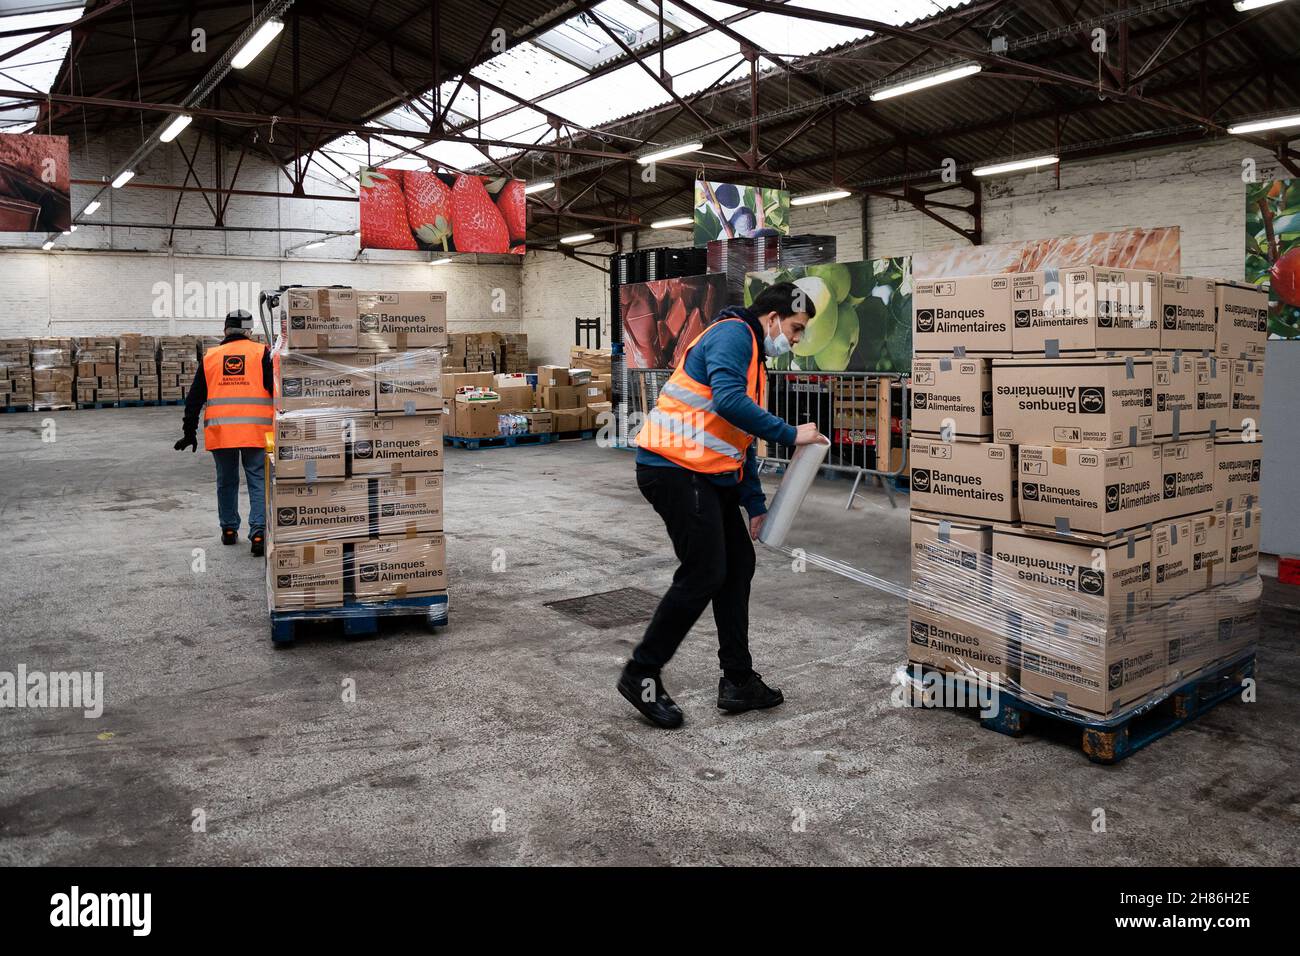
(1273, 251)
(727, 211)
(864, 315)
(441, 212)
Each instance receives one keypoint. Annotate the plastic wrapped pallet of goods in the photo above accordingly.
(401, 321)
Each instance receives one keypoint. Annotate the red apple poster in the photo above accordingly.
(441, 212)
(1273, 251)
(34, 183)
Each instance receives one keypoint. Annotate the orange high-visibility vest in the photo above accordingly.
(238, 412)
(684, 427)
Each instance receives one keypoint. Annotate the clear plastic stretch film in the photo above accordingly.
(799, 477)
(355, 497)
(1073, 625)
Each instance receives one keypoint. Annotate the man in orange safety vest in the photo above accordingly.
(234, 382)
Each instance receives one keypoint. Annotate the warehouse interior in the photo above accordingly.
(243, 723)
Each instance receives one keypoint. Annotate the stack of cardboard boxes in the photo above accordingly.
(15, 373)
(53, 373)
(137, 369)
(1085, 444)
(514, 352)
(177, 362)
(96, 370)
(600, 389)
(354, 507)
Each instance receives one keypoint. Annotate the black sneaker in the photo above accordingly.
(753, 694)
(660, 710)
(257, 541)
(229, 536)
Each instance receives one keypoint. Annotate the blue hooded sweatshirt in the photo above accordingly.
(721, 361)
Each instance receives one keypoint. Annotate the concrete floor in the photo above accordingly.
(509, 717)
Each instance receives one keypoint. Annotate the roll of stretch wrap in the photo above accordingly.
(799, 476)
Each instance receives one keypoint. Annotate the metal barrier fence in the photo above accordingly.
(865, 415)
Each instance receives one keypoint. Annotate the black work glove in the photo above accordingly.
(189, 439)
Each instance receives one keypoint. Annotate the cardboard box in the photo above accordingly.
(950, 558)
(310, 446)
(553, 375)
(1187, 478)
(1086, 403)
(401, 320)
(453, 382)
(1090, 491)
(1209, 554)
(1242, 544)
(1171, 561)
(561, 396)
(1192, 635)
(1087, 579)
(397, 445)
(594, 392)
(964, 479)
(407, 506)
(398, 568)
(579, 376)
(969, 314)
(408, 383)
(1241, 320)
(956, 645)
(602, 414)
(1238, 607)
(1084, 311)
(515, 398)
(1236, 475)
(540, 423)
(320, 320)
(304, 576)
(570, 419)
(510, 380)
(1084, 668)
(1213, 391)
(318, 511)
(1246, 401)
(952, 399)
(343, 380)
(1187, 316)
(475, 419)
(1175, 389)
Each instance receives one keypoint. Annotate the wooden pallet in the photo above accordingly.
(1108, 741)
(43, 407)
(498, 441)
(358, 618)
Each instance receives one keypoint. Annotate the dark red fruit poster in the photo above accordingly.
(661, 318)
(1273, 251)
(34, 184)
(441, 212)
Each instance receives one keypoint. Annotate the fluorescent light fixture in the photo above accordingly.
(174, 128)
(72, 228)
(672, 223)
(258, 42)
(930, 79)
(313, 245)
(441, 262)
(91, 209)
(1015, 164)
(49, 244)
(1258, 126)
(542, 186)
(123, 178)
(669, 153)
(1241, 6)
(577, 238)
(820, 197)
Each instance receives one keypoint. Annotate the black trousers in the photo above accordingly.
(710, 536)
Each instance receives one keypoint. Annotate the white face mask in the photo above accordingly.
(776, 346)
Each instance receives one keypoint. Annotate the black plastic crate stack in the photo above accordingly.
(645, 265)
(795, 251)
(735, 257)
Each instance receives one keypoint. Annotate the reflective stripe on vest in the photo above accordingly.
(238, 411)
(684, 426)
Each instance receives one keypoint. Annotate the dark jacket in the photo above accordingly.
(198, 393)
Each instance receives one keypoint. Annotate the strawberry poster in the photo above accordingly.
(441, 212)
(1273, 251)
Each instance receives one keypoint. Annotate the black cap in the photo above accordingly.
(239, 319)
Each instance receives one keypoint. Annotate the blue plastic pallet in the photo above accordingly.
(171, 401)
(498, 441)
(360, 618)
(10, 409)
(97, 404)
(570, 436)
(1108, 741)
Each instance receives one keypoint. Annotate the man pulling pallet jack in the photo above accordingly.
(234, 385)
